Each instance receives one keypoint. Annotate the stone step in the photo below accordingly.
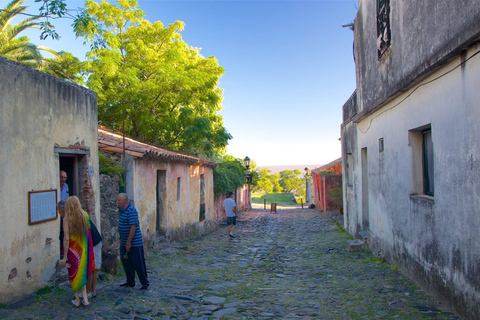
(355, 245)
(364, 235)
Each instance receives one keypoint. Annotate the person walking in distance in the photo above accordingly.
(131, 243)
(230, 212)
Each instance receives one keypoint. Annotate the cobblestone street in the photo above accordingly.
(289, 265)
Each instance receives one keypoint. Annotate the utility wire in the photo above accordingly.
(421, 85)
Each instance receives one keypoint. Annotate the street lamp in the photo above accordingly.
(246, 162)
(308, 186)
(307, 172)
(248, 174)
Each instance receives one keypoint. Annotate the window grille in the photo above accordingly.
(383, 26)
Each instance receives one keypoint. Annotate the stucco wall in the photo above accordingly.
(180, 217)
(433, 239)
(423, 32)
(38, 112)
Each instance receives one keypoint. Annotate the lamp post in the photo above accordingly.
(248, 174)
(246, 162)
(308, 185)
(248, 179)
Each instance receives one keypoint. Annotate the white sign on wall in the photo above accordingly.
(42, 206)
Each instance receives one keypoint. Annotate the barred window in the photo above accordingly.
(383, 26)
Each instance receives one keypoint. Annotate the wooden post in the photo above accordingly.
(301, 201)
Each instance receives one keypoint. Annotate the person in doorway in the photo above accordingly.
(131, 244)
(230, 212)
(64, 192)
(77, 241)
(61, 210)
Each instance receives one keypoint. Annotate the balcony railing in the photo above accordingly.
(350, 107)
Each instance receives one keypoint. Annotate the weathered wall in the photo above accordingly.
(423, 33)
(433, 239)
(322, 185)
(38, 112)
(180, 217)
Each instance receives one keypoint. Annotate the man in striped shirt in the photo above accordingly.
(131, 245)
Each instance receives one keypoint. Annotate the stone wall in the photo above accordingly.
(109, 189)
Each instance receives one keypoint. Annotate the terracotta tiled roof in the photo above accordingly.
(112, 142)
(328, 166)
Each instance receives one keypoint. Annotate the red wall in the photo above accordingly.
(321, 185)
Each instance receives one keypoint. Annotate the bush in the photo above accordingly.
(336, 196)
(110, 167)
(228, 176)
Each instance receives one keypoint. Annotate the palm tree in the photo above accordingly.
(19, 49)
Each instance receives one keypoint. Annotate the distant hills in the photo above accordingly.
(274, 169)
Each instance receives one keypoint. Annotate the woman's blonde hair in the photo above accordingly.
(77, 221)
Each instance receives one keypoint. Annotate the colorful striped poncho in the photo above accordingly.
(80, 258)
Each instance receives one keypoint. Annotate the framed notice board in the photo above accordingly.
(42, 206)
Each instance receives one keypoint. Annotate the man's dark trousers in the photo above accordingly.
(135, 262)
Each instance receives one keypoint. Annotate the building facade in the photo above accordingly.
(172, 191)
(47, 125)
(411, 143)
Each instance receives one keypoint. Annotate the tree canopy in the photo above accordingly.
(14, 46)
(229, 175)
(291, 182)
(150, 81)
(18, 48)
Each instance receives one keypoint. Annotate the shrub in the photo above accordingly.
(336, 196)
(110, 167)
(228, 176)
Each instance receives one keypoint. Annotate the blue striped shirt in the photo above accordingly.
(129, 217)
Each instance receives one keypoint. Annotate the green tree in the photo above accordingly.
(265, 181)
(64, 65)
(18, 48)
(165, 91)
(229, 175)
(291, 182)
(15, 47)
(275, 178)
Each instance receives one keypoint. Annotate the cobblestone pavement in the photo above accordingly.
(289, 265)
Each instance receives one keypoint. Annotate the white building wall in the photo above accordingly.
(434, 239)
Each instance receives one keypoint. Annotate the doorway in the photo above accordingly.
(202, 197)
(68, 163)
(161, 223)
(365, 200)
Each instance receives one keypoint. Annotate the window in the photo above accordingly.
(383, 26)
(420, 140)
(178, 188)
(428, 182)
(380, 145)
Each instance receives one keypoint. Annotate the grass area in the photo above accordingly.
(279, 198)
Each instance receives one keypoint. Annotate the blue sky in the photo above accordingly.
(288, 69)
